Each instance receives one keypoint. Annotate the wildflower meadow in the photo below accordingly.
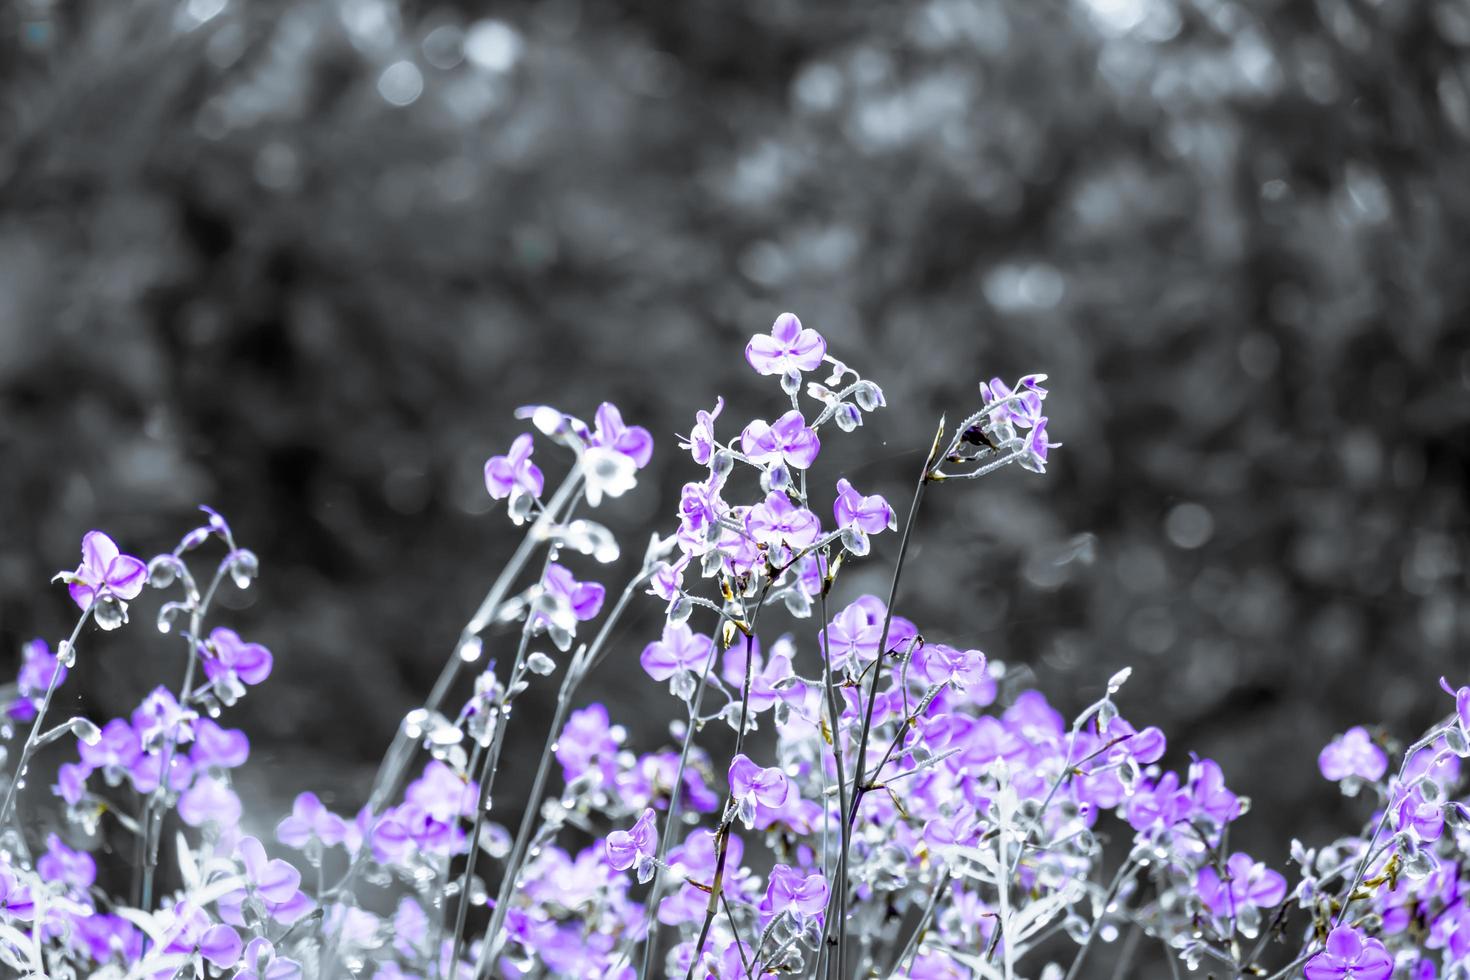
(840, 793)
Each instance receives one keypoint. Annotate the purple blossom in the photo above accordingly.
(1349, 955)
(103, 937)
(116, 752)
(226, 654)
(938, 663)
(636, 847)
(788, 347)
(1208, 794)
(193, 931)
(803, 895)
(680, 650)
(854, 632)
(777, 521)
(1246, 882)
(583, 600)
(310, 820)
(789, 439)
(768, 679)
(260, 962)
(869, 514)
(37, 669)
(104, 571)
(74, 869)
(754, 787)
(586, 741)
(632, 441)
(209, 800)
(160, 716)
(15, 898)
(1353, 754)
(1423, 818)
(71, 782)
(1026, 410)
(1035, 448)
(274, 883)
(222, 748)
(701, 439)
(514, 471)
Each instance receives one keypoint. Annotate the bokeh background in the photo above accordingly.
(302, 260)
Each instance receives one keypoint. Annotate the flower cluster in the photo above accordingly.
(908, 810)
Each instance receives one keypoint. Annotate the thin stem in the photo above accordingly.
(650, 928)
(911, 948)
(864, 733)
(1112, 893)
(834, 710)
(30, 746)
(576, 671)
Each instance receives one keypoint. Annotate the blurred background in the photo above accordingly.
(301, 261)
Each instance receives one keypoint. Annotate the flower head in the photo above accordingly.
(104, 571)
(679, 650)
(1349, 955)
(514, 471)
(1353, 754)
(803, 895)
(635, 847)
(789, 439)
(1246, 882)
(754, 787)
(701, 440)
(788, 347)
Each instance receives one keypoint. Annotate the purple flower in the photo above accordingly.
(1036, 447)
(1462, 703)
(753, 787)
(74, 869)
(1414, 813)
(274, 883)
(1208, 794)
(15, 898)
(789, 439)
(226, 654)
(104, 571)
(805, 896)
(1026, 410)
(222, 748)
(310, 820)
(260, 962)
(633, 441)
(71, 782)
(777, 521)
(104, 936)
(586, 741)
(768, 680)
(514, 471)
(583, 598)
(209, 800)
(870, 514)
(680, 650)
(635, 848)
(1353, 754)
(159, 716)
(194, 931)
(854, 632)
(938, 663)
(1350, 955)
(1246, 882)
(38, 668)
(701, 440)
(117, 751)
(788, 347)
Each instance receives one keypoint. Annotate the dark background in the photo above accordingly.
(233, 271)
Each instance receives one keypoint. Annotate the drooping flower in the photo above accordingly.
(1025, 410)
(1349, 955)
(564, 602)
(636, 847)
(753, 787)
(788, 347)
(104, 571)
(1035, 449)
(1353, 754)
(261, 962)
(515, 471)
(700, 442)
(789, 439)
